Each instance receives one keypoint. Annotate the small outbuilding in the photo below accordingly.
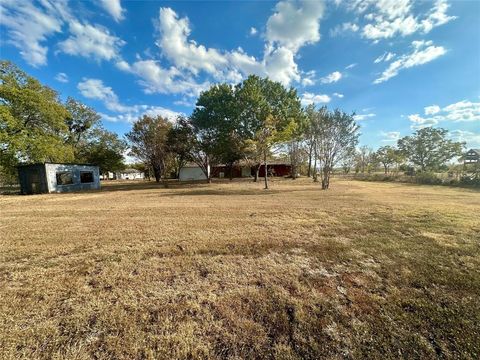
(191, 172)
(52, 178)
(130, 174)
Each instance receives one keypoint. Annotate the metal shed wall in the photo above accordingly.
(191, 173)
(32, 179)
(51, 172)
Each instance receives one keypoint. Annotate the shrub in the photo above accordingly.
(428, 178)
(469, 181)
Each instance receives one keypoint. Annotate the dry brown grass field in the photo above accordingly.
(230, 271)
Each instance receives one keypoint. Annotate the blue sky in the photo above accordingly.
(399, 64)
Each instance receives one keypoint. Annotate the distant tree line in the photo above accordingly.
(36, 126)
(426, 150)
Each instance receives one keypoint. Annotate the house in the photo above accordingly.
(472, 156)
(471, 164)
(238, 170)
(130, 174)
(192, 172)
(276, 167)
(51, 178)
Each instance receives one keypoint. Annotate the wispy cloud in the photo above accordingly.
(423, 52)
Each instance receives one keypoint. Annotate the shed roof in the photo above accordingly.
(130, 171)
(54, 163)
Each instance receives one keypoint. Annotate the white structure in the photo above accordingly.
(192, 172)
(130, 174)
(48, 178)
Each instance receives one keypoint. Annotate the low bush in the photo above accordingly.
(426, 178)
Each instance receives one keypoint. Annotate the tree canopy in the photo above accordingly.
(36, 127)
(429, 148)
(32, 126)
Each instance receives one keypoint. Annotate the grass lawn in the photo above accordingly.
(230, 271)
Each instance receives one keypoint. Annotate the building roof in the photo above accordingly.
(130, 171)
(53, 163)
(243, 163)
(475, 150)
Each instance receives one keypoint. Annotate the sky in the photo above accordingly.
(400, 65)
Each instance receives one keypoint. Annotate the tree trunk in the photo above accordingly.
(309, 172)
(257, 170)
(315, 178)
(230, 166)
(157, 172)
(325, 178)
(266, 169)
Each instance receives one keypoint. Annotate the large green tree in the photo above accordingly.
(388, 156)
(32, 120)
(105, 149)
(429, 148)
(148, 142)
(269, 114)
(216, 122)
(81, 121)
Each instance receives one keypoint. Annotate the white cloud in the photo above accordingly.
(391, 136)
(29, 26)
(389, 18)
(156, 79)
(424, 52)
(458, 112)
(361, 117)
(338, 95)
(280, 65)
(462, 111)
(91, 41)
(343, 28)
(331, 78)
(184, 102)
(295, 24)
(351, 66)
(185, 54)
(138, 111)
(114, 8)
(189, 59)
(386, 56)
(61, 77)
(309, 98)
(284, 38)
(309, 78)
(471, 138)
(253, 31)
(437, 16)
(96, 89)
(431, 110)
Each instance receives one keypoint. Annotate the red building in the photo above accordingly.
(275, 169)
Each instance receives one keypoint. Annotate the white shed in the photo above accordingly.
(130, 174)
(192, 172)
